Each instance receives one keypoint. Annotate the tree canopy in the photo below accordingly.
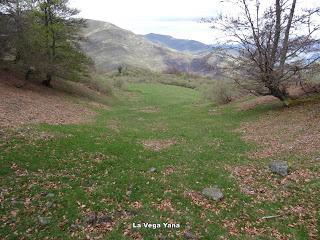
(44, 35)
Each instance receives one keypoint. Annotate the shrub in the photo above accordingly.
(119, 83)
(101, 85)
(221, 92)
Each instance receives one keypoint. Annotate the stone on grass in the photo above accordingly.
(49, 204)
(189, 235)
(213, 193)
(43, 220)
(50, 195)
(104, 219)
(75, 227)
(128, 193)
(152, 170)
(91, 218)
(279, 167)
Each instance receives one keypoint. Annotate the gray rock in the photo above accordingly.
(50, 195)
(189, 235)
(128, 193)
(279, 167)
(91, 218)
(75, 227)
(104, 219)
(152, 170)
(43, 220)
(213, 193)
(49, 204)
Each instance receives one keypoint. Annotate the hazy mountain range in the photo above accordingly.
(110, 46)
(182, 45)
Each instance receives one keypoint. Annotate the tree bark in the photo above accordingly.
(285, 46)
(47, 82)
(276, 34)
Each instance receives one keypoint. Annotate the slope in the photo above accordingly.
(111, 46)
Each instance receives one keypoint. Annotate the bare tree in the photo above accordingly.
(271, 47)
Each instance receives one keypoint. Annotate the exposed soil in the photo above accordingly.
(158, 145)
(149, 110)
(114, 125)
(36, 104)
(251, 104)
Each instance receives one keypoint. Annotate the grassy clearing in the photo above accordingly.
(103, 168)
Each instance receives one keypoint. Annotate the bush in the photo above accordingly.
(221, 92)
(101, 85)
(119, 83)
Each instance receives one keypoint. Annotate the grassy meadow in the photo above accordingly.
(93, 181)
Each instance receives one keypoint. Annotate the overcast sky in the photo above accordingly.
(178, 18)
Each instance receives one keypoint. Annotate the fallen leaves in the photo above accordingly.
(136, 205)
(165, 205)
(19, 171)
(253, 103)
(199, 200)
(36, 104)
(264, 187)
(128, 232)
(169, 171)
(291, 130)
(259, 182)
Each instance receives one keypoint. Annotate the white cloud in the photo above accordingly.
(178, 18)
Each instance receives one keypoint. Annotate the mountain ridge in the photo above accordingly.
(182, 45)
(111, 46)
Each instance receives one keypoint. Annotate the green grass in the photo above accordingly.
(89, 168)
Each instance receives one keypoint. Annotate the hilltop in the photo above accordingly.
(111, 46)
(183, 45)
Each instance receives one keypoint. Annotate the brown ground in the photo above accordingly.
(251, 104)
(158, 145)
(288, 130)
(294, 91)
(36, 104)
(149, 110)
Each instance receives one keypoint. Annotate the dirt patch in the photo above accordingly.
(158, 145)
(100, 106)
(29, 134)
(288, 130)
(214, 111)
(36, 104)
(253, 103)
(158, 127)
(114, 125)
(169, 171)
(149, 110)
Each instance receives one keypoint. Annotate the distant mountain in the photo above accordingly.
(110, 46)
(182, 45)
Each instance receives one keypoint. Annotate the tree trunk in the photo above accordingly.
(282, 95)
(47, 82)
(27, 75)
